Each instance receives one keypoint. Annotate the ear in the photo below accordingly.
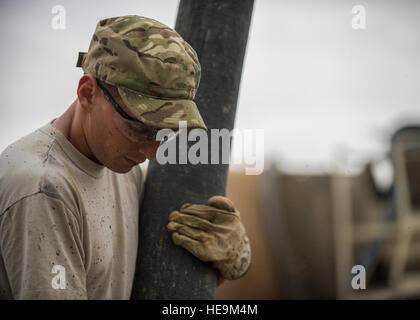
(87, 91)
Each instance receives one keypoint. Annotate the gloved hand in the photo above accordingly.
(213, 232)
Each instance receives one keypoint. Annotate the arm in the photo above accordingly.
(42, 250)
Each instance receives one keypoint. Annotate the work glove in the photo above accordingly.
(213, 232)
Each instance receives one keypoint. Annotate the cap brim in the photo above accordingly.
(162, 113)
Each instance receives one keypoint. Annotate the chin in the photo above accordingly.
(122, 165)
(122, 170)
(119, 168)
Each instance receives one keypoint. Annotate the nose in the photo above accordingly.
(149, 149)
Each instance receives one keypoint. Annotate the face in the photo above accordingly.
(110, 145)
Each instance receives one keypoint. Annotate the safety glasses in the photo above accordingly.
(132, 128)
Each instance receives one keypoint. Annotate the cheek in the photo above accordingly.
(149, 149)
(103, 135)
(116, 142)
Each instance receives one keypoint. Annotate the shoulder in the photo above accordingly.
(138, 175)
(31, 165)
(130, 185)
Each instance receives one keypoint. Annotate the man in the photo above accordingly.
(70, 192)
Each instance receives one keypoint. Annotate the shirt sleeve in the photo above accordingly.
(42, 250)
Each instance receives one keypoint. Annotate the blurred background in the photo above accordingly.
(339, 107)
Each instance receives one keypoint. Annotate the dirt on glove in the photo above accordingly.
(213, 232)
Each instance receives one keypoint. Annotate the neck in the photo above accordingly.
(70, 125)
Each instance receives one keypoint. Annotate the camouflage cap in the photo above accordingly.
(156, 72)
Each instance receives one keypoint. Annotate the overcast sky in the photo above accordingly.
(320, 89)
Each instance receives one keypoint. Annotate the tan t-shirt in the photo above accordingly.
(68, 226)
